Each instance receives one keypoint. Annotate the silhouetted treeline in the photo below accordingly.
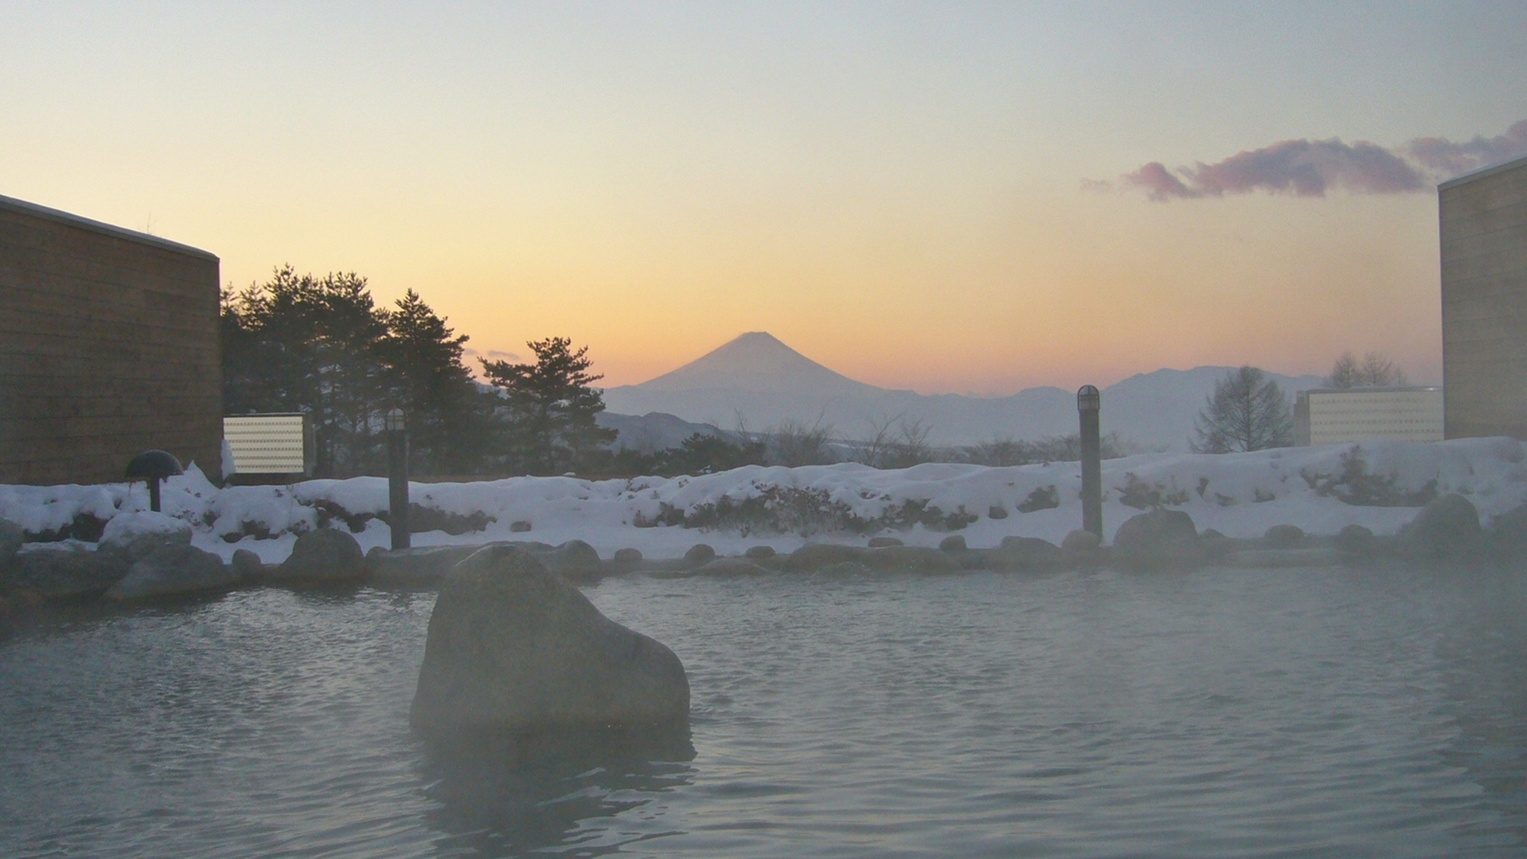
(320, 345)
(794, 444)
(1055, 448)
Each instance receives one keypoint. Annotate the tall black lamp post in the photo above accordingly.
(1088, 404)
(397, 477)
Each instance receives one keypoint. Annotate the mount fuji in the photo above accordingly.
(756, 382)
(757, 362)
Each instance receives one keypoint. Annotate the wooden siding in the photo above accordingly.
(1483, 223)
(108, 347)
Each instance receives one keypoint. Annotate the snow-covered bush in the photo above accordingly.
(1358, 486)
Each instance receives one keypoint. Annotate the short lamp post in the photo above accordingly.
(1088, 405)
(153, 466)
(397, 477)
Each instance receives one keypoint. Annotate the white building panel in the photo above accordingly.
(1360, 414)
(267, 444)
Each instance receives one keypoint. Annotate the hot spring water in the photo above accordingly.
(1218, 713)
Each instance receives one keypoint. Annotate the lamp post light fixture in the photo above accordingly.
(396, 424)
(1089, 403)
(153, 466)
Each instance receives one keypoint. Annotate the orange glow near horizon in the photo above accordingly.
(1043, 311)
(917, 197)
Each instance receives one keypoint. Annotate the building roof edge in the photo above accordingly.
(1373, 389)
(68, 219)
(1484, 172)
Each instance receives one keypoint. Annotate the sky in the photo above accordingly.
(944, 197)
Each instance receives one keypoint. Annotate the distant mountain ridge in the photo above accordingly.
(756, 382)
(757, 362)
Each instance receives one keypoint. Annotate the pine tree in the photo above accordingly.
(300, 343)
(428, 381)
(704, 453)
(550, 406)
(246, 385)
(352, 377)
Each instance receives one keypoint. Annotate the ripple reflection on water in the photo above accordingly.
(1220, 713)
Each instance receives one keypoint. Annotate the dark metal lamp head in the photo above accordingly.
(153, 466)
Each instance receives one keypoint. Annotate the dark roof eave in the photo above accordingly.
(37, 211)
(1483, 173)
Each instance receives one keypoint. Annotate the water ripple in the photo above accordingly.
(1221, 713)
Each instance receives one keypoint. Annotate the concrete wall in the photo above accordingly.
(1483, 218)
(108, 347)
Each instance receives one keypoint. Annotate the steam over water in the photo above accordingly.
(1219, 713)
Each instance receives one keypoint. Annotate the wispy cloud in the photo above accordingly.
(491, 354)
(1310, 168)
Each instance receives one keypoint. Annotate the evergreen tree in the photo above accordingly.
(351, 375)
(447, 420)
(550, 407)
(246, 385)
(1247, 411)
(704, 453)
(303, 344)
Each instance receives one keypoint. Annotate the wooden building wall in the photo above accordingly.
(109, 346)
(1483, 223)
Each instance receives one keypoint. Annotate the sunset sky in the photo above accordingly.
(947, 197)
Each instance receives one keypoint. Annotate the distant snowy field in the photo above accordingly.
(1240, 495)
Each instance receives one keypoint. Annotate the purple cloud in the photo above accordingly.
(1449, 158)
(1310, 168)
(1158, 182)
(1307, 168)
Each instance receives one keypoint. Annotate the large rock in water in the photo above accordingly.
(575, 561)
(1446, 528)
(909, 559)
(1507, 535)
(420, 565)
(63, 572)
(133, 536)
(323, 555)
(512, 646)
(173, 570)
(1027, 553)
(816, 556)
(1082, 548)
(11, 538)
(1159, 540)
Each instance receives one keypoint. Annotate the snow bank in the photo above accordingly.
(124, 527)
(1320, 489)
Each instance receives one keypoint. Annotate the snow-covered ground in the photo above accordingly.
(1240, 495)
